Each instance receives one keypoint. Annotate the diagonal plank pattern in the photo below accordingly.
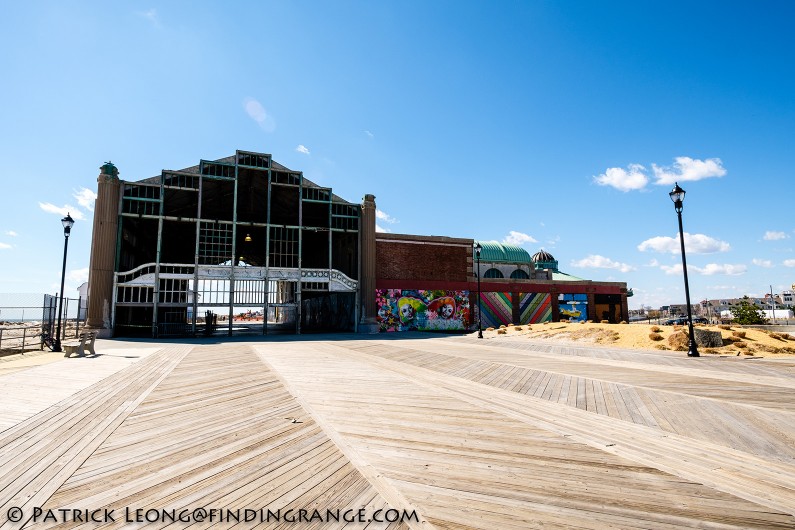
(40, 453)
(655, 396)
(219, 432)
(469, 458)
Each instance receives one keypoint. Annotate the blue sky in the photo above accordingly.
(555, 125)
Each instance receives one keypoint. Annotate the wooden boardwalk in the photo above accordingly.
(466, 434)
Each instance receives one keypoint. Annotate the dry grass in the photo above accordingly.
(655, 336)
(738, 334)
(656, 329)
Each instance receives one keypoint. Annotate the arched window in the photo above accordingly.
(493, 273)
(519, 274)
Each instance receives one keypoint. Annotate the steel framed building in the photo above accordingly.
(186, 252)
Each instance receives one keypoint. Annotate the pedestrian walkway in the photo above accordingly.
(446, 433)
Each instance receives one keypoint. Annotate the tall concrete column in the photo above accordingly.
(367, 257)
(103, 250)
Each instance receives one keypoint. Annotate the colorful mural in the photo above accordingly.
(497, 309)
(535, 308)
(406, 310)
(573, 307)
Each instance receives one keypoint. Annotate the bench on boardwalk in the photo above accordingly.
(86, 342)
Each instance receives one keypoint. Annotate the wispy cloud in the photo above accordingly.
(595, 261)
(653, 263)
(694, 243)
(302, 149)
(766, 263)
(771, 235)
(632, 178)
(385, 217)
(518, 238)
(4, 246)
(710, 269)
(257, 112)
(78, 275)
(85, 198)
(11, 233)
(789, 262)
(687, 169)
(379, 228)
(369, 134)
(151, 16)
(76, 214)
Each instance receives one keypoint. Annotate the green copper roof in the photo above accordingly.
(502, 253)
(563, 277)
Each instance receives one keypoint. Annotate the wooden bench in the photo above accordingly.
(86, 342)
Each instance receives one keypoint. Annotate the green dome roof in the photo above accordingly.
(502, 253)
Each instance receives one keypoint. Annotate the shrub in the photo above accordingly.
(661, 346)
(589, 321)
(710, 350)
(780, 336)
(502, 331)
(748, 352)
(656, 329)
(738, 334)
(679, 341)
(518, 328)
(564, 320)
(623, 322)
(502, 327)
(604, 321)
(740, 344)
(489, 329)
(655, 336)
(724, 326)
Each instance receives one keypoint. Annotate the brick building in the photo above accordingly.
(190, 250)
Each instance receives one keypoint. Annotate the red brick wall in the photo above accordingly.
(421, 260)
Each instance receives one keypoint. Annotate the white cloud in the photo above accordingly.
(151, 16)
(379, 228)
(687, 169)
(789, 262)
(653, 263)
(518, 238)
(78, 275)
(5, 246)
(694, 244)
(766, 263)
(76, 214)
(709, 270)
(369, 134)
(383, 216)
(302, 149)
(632, 178)
(727, 269)
(595, 261)
(257, 112)
(11, 233)
(774, 236)
(85, 198)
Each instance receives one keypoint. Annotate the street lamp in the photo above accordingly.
(478, 248)
(678, 196)
(67, 223)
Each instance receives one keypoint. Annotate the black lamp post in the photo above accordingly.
(67, 223)
(478, 248)
(678, 196)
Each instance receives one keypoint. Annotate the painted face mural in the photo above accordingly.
(404, 310)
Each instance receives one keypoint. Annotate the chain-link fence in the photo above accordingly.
(28, 321)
